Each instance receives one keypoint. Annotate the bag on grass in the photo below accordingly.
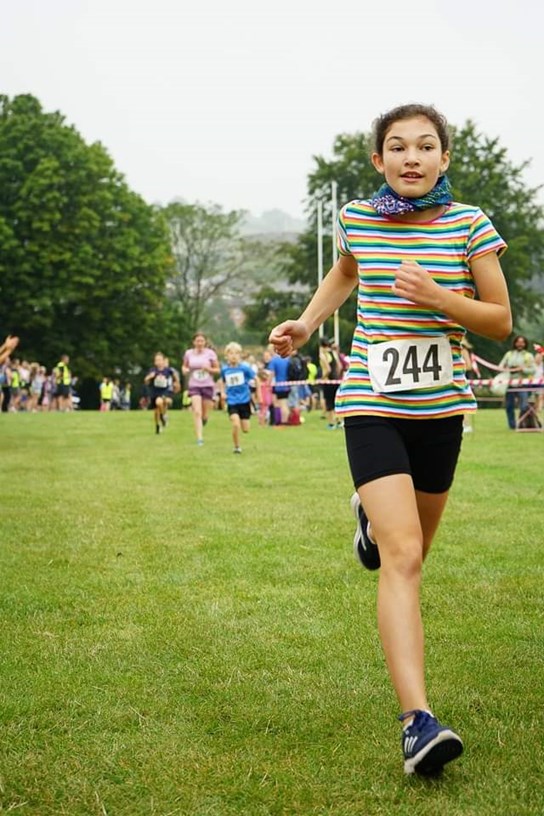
(499, 384)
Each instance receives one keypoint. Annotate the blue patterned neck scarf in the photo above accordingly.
(387, 202)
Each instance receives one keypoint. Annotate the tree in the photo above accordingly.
(211, 260)
(83, 259)
(272, 305)
(481, 173)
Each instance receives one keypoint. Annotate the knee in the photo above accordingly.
(403, 558)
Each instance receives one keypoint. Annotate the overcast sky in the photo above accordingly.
(229, 101)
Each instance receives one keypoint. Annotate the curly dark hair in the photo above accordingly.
(382, 124)
(520, 337)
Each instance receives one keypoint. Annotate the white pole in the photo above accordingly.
(320, 251)
(334, 216)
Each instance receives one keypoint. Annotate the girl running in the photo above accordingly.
(418, 259)
(201, 364)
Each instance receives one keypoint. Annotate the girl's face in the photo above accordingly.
(233, 358)
(412, 158)
(199, 342)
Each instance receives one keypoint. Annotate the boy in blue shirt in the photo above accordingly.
(236, 378)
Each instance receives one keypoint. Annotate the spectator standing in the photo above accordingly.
(279, 367)
(519, 363)
(106, 394)
(330, 370)
(63, 382)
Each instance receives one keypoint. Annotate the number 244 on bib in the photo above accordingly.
(408, 365)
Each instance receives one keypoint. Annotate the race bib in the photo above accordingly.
(160, 381)
(408, 365)
(200, 374)
(235, 378)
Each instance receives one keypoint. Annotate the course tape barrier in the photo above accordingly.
(515, 382)
(519, 383)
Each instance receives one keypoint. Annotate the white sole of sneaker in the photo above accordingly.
(442, 749)
(355, 503)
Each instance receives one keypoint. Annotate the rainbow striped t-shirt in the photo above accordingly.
(445, 247)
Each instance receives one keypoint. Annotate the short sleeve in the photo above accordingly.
(484, 238)
(342, 241)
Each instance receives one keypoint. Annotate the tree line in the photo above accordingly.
(90, 268)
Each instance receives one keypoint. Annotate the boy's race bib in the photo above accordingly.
(410, 365)
(234, 378)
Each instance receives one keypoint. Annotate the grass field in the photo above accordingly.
(185, 631)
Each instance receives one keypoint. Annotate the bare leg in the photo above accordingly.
(157, 412)
(196, 408)
(207, 406)
(403, 523)
(235, 425)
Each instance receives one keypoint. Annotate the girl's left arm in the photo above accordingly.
(489, 316)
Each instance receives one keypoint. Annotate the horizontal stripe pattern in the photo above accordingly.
(445, 247)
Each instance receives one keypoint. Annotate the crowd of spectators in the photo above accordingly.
(29, 386)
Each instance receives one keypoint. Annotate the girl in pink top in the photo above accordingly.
(200, 363)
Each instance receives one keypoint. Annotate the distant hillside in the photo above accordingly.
(274, 222)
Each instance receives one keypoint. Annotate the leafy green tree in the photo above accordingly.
(272, 305)
(83, 259)
(212, 261)
(481, 173)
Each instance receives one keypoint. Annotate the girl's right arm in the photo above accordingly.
(333, 292)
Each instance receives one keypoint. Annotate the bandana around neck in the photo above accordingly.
(387, 202)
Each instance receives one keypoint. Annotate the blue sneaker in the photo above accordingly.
(427, 745)
(365, 549)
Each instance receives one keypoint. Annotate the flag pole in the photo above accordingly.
(320, 251)
(334, 216)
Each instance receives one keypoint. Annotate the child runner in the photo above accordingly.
(200, 363)
(237, 378)
(418, 259)
(161, 381)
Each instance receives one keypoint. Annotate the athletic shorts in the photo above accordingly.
(155, 395)
(62, 391)
(281, 393)
(426, 449)
(205, 391)
(329, 395)
(243, 410)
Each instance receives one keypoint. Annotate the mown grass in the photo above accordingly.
(185, 631)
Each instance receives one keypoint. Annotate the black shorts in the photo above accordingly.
(164, 395)
(62, 391)
(426, 449)
(329, 395)
(281, 393)
(243, 410)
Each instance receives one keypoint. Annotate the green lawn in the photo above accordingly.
(185, 631)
